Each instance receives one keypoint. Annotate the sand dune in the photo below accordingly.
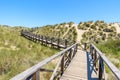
(117, 27)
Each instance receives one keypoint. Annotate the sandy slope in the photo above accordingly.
(117, 27)
(80, 33)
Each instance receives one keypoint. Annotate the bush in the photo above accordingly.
(93, 27)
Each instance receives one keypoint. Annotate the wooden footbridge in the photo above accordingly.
(74, 63)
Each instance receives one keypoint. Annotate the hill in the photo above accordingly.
(62, 31)
(99, 31)
(17, 53)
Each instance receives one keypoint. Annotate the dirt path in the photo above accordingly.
(79, 32)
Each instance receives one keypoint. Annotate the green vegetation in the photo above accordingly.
(111, 48)
(17, 53)
(97, 32)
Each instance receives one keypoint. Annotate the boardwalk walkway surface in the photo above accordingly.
(78, 69)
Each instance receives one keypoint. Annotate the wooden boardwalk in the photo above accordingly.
(78, 69)
(74, 64)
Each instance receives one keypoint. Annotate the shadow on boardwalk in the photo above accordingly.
(92, 74)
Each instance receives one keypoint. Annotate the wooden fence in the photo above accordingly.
(45, 39)
(99, 61)
(33, 73)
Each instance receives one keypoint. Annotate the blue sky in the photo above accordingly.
(32, 13)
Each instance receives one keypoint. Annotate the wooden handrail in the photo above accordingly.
(102, 58)
(45, 40)
(36, 68)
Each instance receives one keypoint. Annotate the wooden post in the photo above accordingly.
(76, 47)
(75, 50)
(42, 39)
(38, 37)
(70, 55)
(36, 76)
(85, 46)
(91, 50)
(101, 68)
(33, 37)
(58, 42)
(62, 65)
(30, 36)
(21, 32)
(93, 53)
(52, 42)
(66, 43)
(46, 40)
(95, 57)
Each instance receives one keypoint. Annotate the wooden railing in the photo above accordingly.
(99, 60)
(45, 39)
(33, 73)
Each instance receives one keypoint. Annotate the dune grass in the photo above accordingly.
(17, 53)
(111, 49)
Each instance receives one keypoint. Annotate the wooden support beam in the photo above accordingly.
(62, 65)
(85, 46)
(36, 75)
(45, 70)
(101, 69)
(66, 43)
(58, 42)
